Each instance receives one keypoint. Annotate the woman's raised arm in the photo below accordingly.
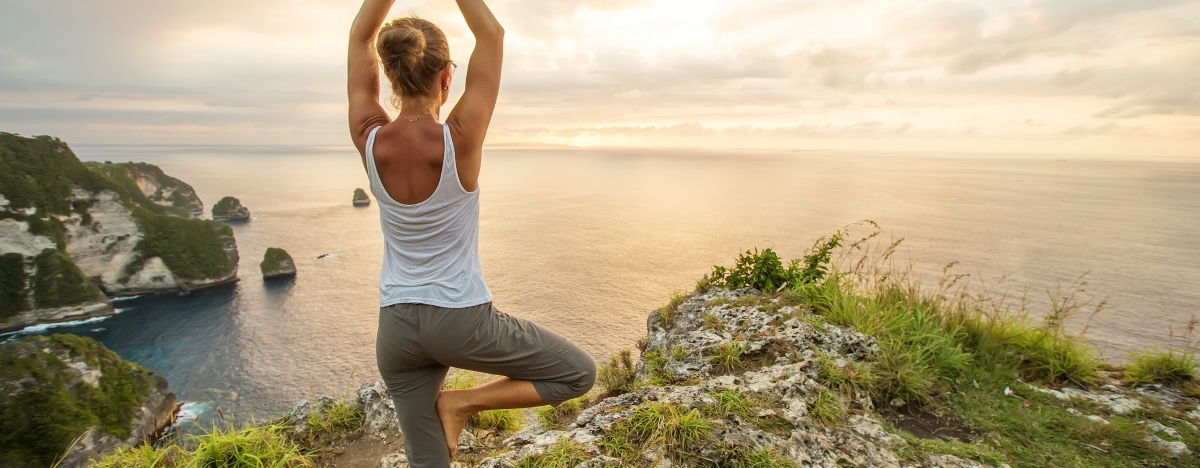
(363, 72)
(471, 115)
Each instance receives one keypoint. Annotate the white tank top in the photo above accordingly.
(430, 249)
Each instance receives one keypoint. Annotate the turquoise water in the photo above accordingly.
(588, 242)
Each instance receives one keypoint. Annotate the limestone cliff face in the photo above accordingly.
(66, 229)
(71, 395)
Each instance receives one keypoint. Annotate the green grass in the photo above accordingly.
(846, 378)
(664, 313)
(556, 417)
(619, 375)
(827, 408)
(728, 357)
(738, 457)
(748, 406)
(337, 417)
(252, 447)
(679, 431)
(563, 454)
(1166, 367)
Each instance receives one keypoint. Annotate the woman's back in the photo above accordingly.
(431, 243)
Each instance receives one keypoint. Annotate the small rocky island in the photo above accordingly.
(61, 387)
(361, 198)
(277, 264)
(230, 209)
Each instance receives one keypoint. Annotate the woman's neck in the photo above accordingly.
(414, 107)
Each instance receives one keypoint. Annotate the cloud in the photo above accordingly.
(272, 71)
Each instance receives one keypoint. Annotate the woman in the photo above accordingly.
(435, 310)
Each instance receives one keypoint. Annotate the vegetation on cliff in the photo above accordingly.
(172, 196)
(45, 402)
(192, 249)
(55, 282)
(40, 173)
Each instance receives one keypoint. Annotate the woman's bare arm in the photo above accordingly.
(363, 72)
(471, 115)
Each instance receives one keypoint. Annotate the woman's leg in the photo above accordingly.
(413, 380)
(540, 366)
(454, 407)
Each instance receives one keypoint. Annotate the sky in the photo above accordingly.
(1080, 77)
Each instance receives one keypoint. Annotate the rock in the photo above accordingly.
(379, 411)
(394, 460)
(1173, 448)
(230, 209)
(361, 198)
(951, 461)
(277, 264)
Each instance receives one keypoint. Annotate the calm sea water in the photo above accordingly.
(588, 242)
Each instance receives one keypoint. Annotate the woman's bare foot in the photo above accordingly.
(453, 411)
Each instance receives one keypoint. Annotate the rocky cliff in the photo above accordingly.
(153, 188)
(61, 223)
(69, 397)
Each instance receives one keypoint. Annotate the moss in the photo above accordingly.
(193, 249)
(13, 296)
(40, 423)
(58, 282)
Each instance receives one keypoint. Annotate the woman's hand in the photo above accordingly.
(363, 72)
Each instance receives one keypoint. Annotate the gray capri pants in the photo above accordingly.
(418, 343)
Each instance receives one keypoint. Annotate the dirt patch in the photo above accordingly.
(926, 425)
(361, 451)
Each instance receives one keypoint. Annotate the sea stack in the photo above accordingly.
(361, 198)
(230, 209)
(277, 264)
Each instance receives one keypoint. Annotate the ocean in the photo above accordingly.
(587, 242)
